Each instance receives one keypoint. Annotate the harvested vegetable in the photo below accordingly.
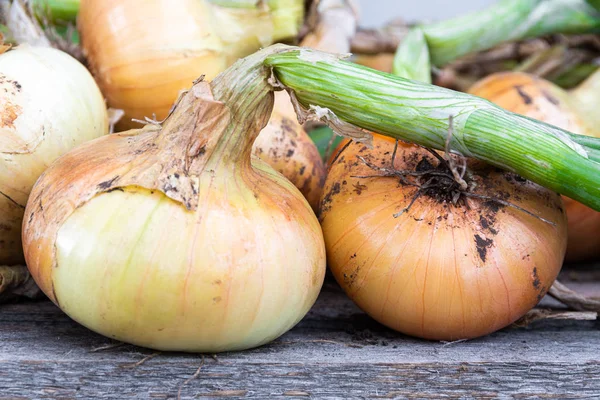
(171, 236)
(428, 257)
(576, 111)
(50, 105)
(143, 53)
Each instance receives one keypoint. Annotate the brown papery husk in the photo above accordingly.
(446, 268)
(284, 143)
(537, 98)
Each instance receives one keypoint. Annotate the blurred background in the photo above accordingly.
(377, 12)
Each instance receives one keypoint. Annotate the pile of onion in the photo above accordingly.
(142, 67)
(173, 237)
(428, 258)
(575, 111)
(50, 104)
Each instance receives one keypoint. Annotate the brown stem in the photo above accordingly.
(573, 299)
(15, 281)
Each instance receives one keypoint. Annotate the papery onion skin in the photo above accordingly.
(144, 53)
(50, 104)
(438, 271)
(171, 237)
(537, 98)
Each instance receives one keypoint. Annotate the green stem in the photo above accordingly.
(419, 113)
(508, 20)
(595, 4)
(412, 57)
(57, 11)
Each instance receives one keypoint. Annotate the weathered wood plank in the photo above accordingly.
(335, 352)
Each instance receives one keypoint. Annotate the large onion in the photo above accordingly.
(450, 266)
(575, 111)
(170, 237)
(49, 104)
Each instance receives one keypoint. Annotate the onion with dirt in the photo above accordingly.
(430, 256)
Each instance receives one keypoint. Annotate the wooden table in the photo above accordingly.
(336, 352)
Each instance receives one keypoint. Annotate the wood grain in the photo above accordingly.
(336, 352)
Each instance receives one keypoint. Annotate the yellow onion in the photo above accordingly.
(575, 111)
(171, 237)
(424, 259)
(143, 53)
(49, 104)
(284, 143)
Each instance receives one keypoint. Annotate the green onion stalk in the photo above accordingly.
(59, 12)
(508, 20)
(420, 113)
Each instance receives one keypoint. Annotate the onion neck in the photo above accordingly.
(285, 16)
(214, 125)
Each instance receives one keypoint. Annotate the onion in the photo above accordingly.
(575, 111)
(433, 262)
(170, 237)
(50, 104)
(143, 53)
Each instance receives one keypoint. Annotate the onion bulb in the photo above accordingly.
(172, 236)
(425, 258)
(575, 111)
(50, 104)
(143, 53)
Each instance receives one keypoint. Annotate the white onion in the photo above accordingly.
(49, 103)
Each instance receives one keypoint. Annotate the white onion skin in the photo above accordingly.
(49, 104)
